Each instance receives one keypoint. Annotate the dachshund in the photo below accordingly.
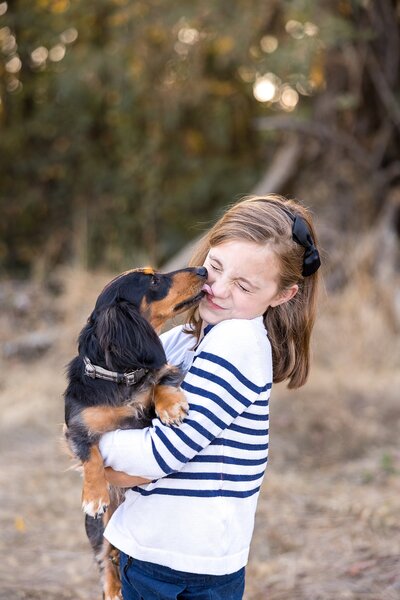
(120, 379)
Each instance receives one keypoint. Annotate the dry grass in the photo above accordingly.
(327, 524)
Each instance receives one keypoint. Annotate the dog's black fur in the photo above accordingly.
(120, 336)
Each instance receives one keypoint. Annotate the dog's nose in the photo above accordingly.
(202, 272)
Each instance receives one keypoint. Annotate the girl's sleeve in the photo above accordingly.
(170, 339)
(226, 377)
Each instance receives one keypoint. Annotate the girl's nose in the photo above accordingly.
(220, 288)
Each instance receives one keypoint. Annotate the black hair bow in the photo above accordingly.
(301, 234)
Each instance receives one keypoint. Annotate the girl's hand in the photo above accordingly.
(120, 479)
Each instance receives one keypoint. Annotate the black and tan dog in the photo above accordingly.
(121, 380)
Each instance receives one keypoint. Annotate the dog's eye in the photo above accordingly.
(154, 280)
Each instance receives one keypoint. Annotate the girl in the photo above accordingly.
(185, 527)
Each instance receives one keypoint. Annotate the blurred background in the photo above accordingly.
(126, 126)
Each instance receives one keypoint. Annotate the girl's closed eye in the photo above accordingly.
(215, 267)
(243, 288)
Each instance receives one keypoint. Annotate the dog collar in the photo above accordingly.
(129, 378)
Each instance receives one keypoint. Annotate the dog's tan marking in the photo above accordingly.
(111, 578)
(185, 286)
(95, 496)
(108, 557)
(100, 419)
(170, 404)
(148, 271)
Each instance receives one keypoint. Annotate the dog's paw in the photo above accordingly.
(170, 405)
(95, 507)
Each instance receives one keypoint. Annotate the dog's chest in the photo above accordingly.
(139, 397)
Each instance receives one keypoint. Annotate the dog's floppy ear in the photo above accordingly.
(88, 343)
(127, 339)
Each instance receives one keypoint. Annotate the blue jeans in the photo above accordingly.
(147, 581)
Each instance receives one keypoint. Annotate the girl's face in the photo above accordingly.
(242, 282)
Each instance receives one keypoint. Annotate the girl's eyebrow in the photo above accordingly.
(246, 281)
(215, 259)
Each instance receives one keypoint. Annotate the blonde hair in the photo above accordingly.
(264, 220)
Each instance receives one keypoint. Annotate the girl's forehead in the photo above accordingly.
(245, 257)
(235, 249)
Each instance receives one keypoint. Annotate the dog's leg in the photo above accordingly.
(107, 556)
(100, 419)
(95, 496)
(170, 404)
(110, 564)
(97, 420)
(111, 578)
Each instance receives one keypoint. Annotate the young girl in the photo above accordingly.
(185, 527)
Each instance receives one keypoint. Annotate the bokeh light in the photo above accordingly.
(295, 29)
(57, 53)
(264, 88)
(69, 36)
(7, 41)
(289, 98)
(311, 29)
(39, 55)
(269, 44)
(188, 35)
(14, 65)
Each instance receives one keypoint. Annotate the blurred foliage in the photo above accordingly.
(125, 122)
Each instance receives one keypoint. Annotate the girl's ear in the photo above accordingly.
(127, 339)
(285, 295)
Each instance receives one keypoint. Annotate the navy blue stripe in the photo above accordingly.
(186, 439)
(209, 414)
(207, 329)
(215, 476)
(241, 445)
(198, 493)
(204, 432)
(229, 460)
(221, 382)
(254, 417)
(227, 365)
(206, 394)
(181, 457)
(161, 463)
(248, 430)
(261, 403)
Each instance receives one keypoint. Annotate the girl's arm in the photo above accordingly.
(120, 479)
(226, 377)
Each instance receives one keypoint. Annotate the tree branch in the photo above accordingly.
(317, 130)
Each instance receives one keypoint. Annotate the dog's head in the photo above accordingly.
(131, 309)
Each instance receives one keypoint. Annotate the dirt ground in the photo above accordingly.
(327, 526)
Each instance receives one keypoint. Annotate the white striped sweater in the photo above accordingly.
(197, 515)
